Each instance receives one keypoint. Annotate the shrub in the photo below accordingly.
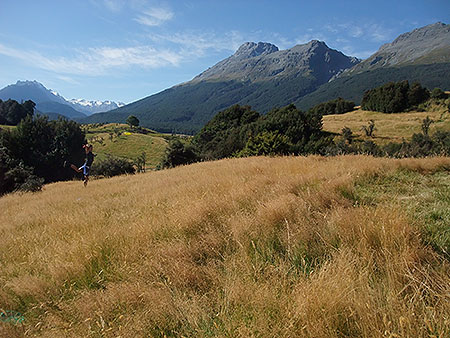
(113, 166)
(32, 184)
(178, 153)
(266, 143)
(438, 93)
(338, 106)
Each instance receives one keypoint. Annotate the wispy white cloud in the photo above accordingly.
(154, 16)
(68, 79)
(310, 36)
(196, 43)
(97, 61)
(379, 33)
(113, 5)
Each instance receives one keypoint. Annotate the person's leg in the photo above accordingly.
(78, 170)
(86, 175)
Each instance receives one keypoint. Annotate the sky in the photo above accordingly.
(125, 50)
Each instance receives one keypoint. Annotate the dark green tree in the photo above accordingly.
(178, 153)
(226, 133)
(12, 112)
(113, 166)
(266, 143)
(338, 106)
(417, 94)
(132, 121)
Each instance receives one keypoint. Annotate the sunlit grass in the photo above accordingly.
(276, 247)
(129, 144)
(389, 127)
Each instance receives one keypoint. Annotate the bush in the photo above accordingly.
(32, 184)
(178, 153)
(14, 175)
(266, 143)
(338, 106)
(113, 166)
(438, 93)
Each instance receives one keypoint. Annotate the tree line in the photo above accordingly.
(12, 112)
(240, 131)
(34, 152)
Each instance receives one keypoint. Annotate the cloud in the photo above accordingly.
(98, 60)
(154, 16)
(305, 38)
(196, 43)
(112, 5)
(378, 33)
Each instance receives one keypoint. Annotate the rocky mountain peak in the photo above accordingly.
(423, 45)
(252, 49)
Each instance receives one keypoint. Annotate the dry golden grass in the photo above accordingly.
(390, 127)
(235, 248)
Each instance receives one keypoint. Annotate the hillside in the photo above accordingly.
(389, 127)
(292, 246)
(120, 141)
(421, 55)
(353, 87)
(426, 45)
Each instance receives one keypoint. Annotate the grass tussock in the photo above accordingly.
(349, 246)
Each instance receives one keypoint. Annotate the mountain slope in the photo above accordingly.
(429, 44)
(422, 55)
(352, 87)
(259, 75)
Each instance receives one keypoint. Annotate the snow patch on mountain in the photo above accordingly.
(94, 106)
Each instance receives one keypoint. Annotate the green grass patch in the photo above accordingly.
(424, 196)
(121, 141)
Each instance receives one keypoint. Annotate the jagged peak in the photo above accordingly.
(251, 49)
(29, 83)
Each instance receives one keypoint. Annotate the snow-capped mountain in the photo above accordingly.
(90, 107)
(50, 101)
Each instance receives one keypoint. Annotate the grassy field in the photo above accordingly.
(390, 127)
(129, 144)
(348, 246)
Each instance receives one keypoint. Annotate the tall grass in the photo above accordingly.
(269, 247)
(389, 127)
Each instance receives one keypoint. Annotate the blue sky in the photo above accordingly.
(124, 50)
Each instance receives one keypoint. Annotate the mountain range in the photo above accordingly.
(51, 103)
(258, 74)
(264, 77)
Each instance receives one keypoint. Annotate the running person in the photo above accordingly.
(85, 168)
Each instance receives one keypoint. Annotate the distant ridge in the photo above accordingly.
(422, 55)
(425, 45)
(51, 103)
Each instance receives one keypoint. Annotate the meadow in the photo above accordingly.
(347, 246)
(389, 127)
(122, 141)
